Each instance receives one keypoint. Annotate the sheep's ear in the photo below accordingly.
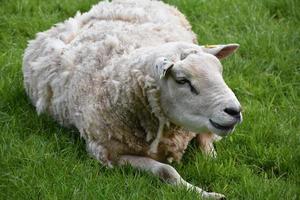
(163, 65)
(220, 51)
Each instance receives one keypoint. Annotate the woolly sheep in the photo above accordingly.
(131, 78)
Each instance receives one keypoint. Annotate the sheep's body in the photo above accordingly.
(91, 72)
(124, 74)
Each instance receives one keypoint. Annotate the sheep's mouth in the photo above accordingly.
(221, 127)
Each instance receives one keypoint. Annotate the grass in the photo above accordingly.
(261, 160)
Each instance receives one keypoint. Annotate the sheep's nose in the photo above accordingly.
(234, 112)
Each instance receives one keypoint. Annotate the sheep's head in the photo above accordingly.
(194, 94)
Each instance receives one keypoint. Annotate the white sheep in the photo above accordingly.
(131, 78)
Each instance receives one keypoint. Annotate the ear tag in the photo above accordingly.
(163, 66)
(165, 69)
(162, 75)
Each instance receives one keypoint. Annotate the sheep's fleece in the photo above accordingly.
(103, 72)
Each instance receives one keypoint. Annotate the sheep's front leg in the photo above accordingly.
(205, 142)
(166, 173)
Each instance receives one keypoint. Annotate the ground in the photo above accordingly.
(261, 160)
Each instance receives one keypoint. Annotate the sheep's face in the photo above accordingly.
(195, 96)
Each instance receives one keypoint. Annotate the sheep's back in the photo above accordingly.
(93, 41)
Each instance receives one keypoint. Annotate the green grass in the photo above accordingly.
(261, 160)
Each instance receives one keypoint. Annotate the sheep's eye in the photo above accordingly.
(184, 81)
(193, 90)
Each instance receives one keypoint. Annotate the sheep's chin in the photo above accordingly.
(207, 127)
(201, 124)
(219, 132)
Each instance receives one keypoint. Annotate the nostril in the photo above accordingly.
(233, 112)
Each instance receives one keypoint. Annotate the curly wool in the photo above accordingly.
(93, 72)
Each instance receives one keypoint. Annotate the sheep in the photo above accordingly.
(130, 76)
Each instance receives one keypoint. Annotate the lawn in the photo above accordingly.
(261, 160)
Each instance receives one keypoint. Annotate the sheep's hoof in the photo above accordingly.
(213, 195)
